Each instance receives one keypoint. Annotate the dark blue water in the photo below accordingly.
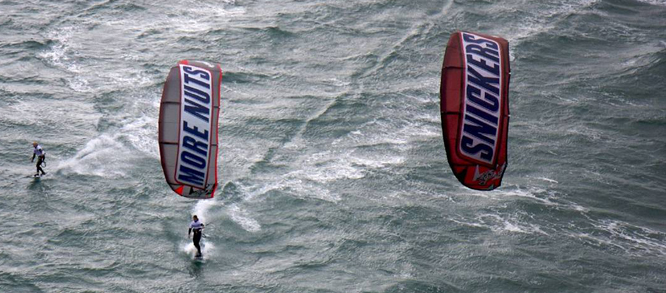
(332, 166)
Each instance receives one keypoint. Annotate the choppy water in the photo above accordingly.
(333, 171)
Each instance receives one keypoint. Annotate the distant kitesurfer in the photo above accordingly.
(197, 227)
(41, 157)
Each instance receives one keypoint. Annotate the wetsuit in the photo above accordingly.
(196, 227)
(41, 157)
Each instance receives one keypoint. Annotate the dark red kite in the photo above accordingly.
(474, 97)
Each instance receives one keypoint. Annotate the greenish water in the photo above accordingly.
(333, 174)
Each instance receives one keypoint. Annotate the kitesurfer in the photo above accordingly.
(41, 157)
(197, 228)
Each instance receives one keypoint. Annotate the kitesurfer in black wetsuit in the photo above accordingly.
(41, 157)
(197, 227)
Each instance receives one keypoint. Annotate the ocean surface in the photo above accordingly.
(333, 173)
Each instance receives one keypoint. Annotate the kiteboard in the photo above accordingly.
(188, 128)
(474, 106)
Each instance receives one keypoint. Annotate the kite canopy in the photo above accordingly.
(188, 128)
(474, 103)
